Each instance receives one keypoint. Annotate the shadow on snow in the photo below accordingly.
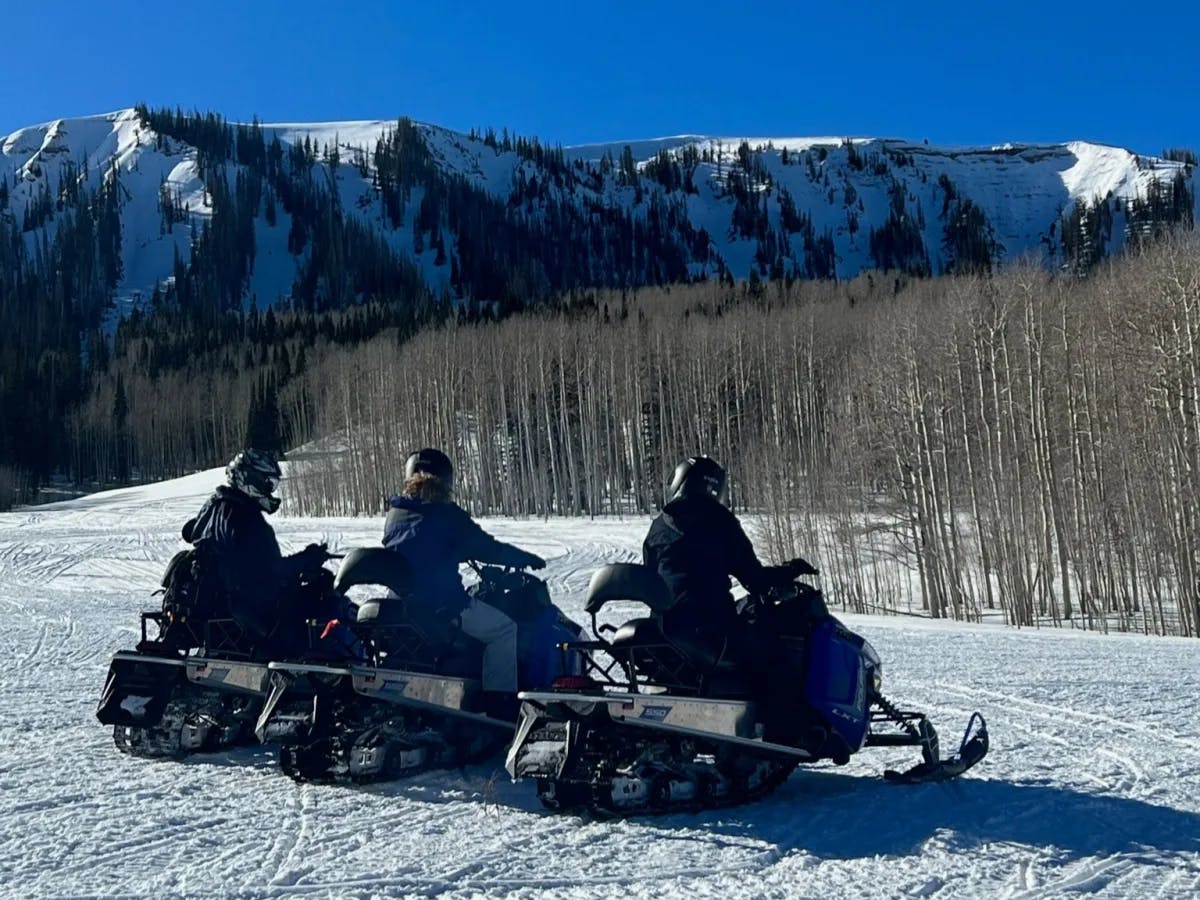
(835, 816)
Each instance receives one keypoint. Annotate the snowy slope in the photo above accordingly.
(1022, 189)
(1092, 786)
(32, 159)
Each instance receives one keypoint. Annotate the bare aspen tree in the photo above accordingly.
(1020, 445)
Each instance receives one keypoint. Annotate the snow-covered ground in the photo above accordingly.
(1092, 786)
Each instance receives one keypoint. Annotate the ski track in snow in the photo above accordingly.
(1092, 786)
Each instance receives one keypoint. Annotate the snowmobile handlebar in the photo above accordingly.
(321, 550)
(480, 567)
(800, 568)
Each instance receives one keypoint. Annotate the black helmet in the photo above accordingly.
(696, 476)
(256, 474)
(430, 460)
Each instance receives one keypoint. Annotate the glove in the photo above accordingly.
(533, 561)
(313, 556)
(799, 567)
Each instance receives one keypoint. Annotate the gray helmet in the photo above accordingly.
(256, 474)
(698, 476)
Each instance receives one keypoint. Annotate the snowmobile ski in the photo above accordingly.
(972, 749)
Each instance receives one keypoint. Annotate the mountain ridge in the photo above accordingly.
(750, 206)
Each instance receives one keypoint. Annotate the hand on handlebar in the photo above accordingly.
(314, 556)
(533, 561)
(798, 567)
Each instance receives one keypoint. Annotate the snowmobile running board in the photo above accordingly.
(297, 668)
(442, 694)
(730, 721)
(135, 677)
(133, 656)
(434, 693)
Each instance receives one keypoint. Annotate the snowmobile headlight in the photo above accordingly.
(877, 679)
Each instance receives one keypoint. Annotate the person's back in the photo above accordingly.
(251, 569)
(246, 555)
(435, 534)
(696, 544)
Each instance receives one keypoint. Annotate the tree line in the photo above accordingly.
(190, 377)
(1020, 445)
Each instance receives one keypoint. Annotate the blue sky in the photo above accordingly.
(954, 73)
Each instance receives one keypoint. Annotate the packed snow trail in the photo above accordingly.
(1092, 785)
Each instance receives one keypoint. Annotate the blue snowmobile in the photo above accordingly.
(659, 722)
(411, 699)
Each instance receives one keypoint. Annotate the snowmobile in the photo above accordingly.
(659, 723)
(199, 683)
(415, 702)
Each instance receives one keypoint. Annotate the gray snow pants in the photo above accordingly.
(498, 633)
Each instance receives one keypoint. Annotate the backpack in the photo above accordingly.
(191, 595)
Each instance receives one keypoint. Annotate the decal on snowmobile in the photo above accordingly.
(655, 712)
(432, 690)
(229, 675)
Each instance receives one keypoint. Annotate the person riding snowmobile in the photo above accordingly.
(696, 544)
(435, 534)
(257, 579)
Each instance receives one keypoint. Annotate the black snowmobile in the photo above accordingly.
(658, 723)
(199, 683)
(414, 702)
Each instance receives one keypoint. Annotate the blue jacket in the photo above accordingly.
(435, 538)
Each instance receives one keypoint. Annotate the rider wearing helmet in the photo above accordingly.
(696, 543)
(253, 572)
(435, 534)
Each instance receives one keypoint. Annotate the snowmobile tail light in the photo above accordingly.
(572, 683)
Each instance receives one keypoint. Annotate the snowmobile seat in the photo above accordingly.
(628, 581)
(687, 663)
(380, 567)
(708, 657)
(374, 565)
(639, 633)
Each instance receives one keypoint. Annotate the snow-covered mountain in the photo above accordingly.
(810, 207)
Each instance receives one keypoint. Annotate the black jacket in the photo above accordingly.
(696, 544)
(253, 571)
(435, 538)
